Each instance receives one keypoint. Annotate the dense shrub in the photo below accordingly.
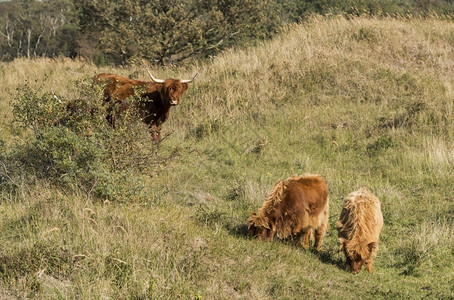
(71, 144)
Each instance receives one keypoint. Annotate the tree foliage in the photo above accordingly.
(37, 29)
(166, 31)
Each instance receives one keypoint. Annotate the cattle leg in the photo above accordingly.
(110, 119)
(110, 114)
(306, 237)
(321, 230)
(319, 233)
(155, 136)
(155, 133)
(296, 239)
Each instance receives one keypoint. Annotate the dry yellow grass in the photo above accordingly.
(362, 101)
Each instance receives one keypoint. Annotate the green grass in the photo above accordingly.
(363, 102)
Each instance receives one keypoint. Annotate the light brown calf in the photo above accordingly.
(359, 227)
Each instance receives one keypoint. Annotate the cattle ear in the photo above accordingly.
(372, 246)
(264, 222)
(251, 219)
(185, 88)
(267, 225)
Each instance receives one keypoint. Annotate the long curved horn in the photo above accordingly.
(154, 79)
(189, 80)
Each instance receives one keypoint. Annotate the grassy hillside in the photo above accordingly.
(363, 102)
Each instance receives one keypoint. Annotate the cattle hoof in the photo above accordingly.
(305, 247)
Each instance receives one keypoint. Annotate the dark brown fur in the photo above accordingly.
(296, 206)
(157, 99)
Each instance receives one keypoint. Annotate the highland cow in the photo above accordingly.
(157, 97)
(359, 227)
(295, 207)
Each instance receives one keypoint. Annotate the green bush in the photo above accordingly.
(71, 144)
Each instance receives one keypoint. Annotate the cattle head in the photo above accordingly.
(260, 227)
(173, 89)
(356, 260)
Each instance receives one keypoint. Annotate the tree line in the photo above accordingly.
(166, 31)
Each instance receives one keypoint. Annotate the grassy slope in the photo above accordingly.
(364, 102)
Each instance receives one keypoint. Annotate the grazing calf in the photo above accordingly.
(157, 98)
(359, 227)
(295, 207)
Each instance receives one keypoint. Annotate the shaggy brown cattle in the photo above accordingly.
(359, 227)
(157, 97)
(295, 207)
